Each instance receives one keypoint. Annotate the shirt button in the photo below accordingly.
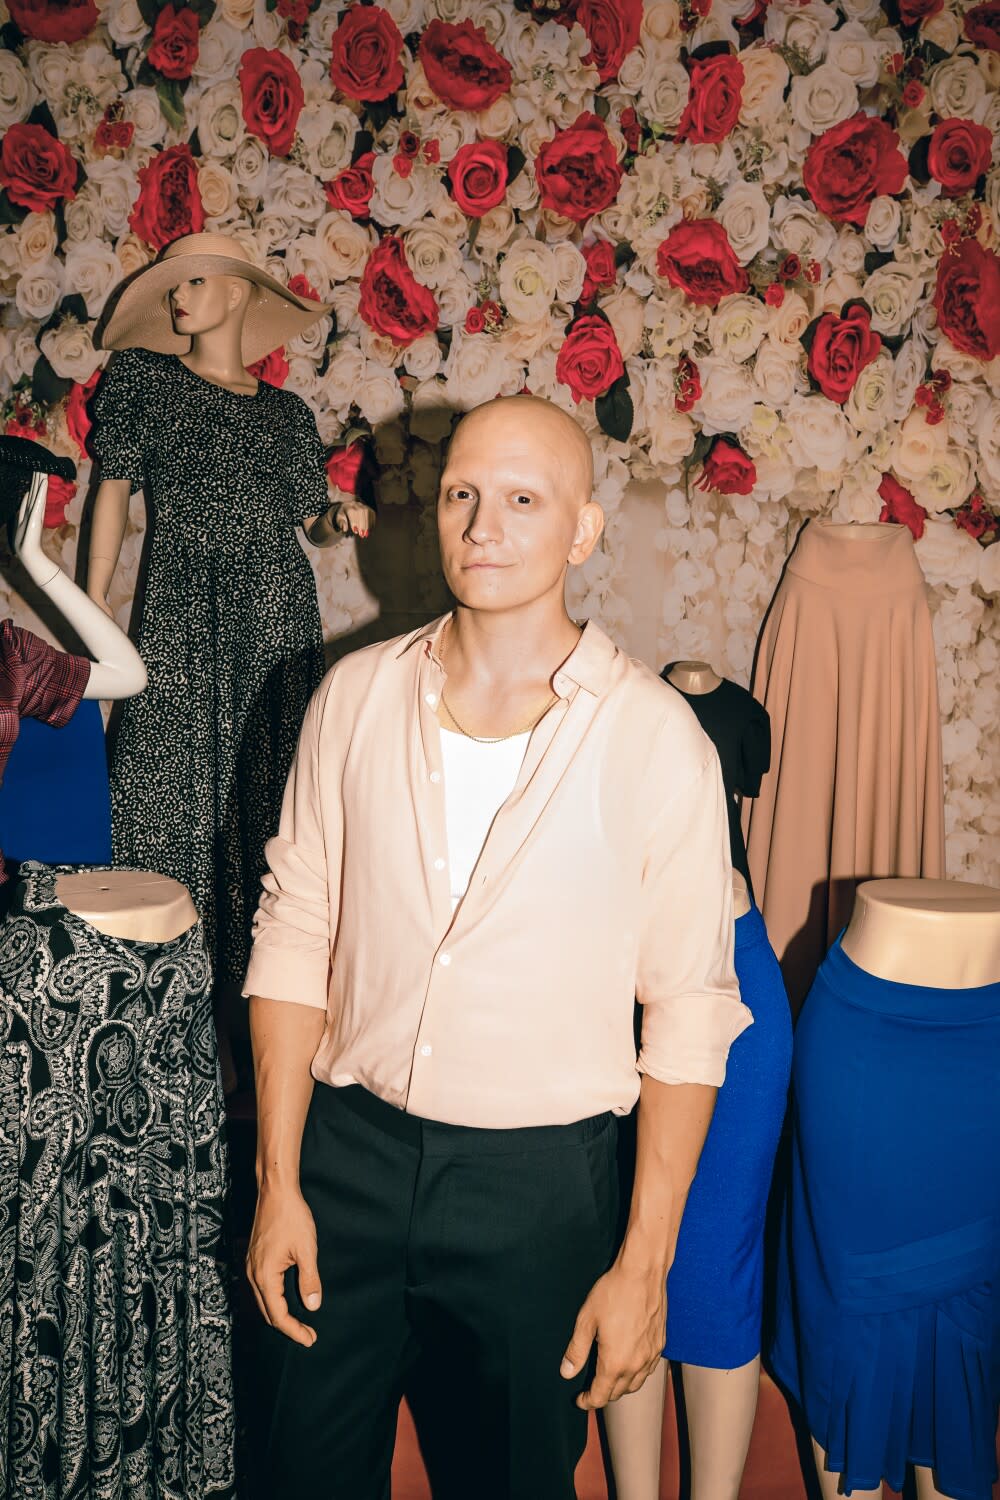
(426, 1051)
(430, 698)
(439, 864)
(444, 960)
(435, 776)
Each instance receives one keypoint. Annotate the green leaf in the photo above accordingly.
(11, 213)
(810, 333)
(624, 254)
(171, 102)
(363, 141)
(205, 10)
(149, 10)
(42, 115)
(73, 306)
(515, 161)
(10, 37)
(473, 234)
(602, 107)
(917, 163)
(47, 387)
(381, 111)
(353, 435)
(876, 258)
(615, 412)
(932, 53)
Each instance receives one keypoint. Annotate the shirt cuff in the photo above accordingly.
(276, 974)
(693, 1036)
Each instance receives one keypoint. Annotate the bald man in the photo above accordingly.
(498, 831)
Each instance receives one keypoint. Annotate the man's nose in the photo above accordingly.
(484, 524)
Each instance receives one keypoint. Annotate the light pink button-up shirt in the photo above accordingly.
(605, 876)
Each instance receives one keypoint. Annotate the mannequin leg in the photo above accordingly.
(634, 1428)
(721, 1406)
(926, 1487)
(830, 1483)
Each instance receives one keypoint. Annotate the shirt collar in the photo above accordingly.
(588, 664)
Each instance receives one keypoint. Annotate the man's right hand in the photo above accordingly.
(284, 1234)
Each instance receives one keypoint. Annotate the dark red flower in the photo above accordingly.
(714, 100)
(59, 494)
(54, 20)
(628, 123)
(352, 189)
(475, 320)
(727, 469)
(790, 268)
(303, 287)
(958, 154)
(687, 383)
(478, 176)
(431, 152)
(273, 97)
(841, 349)
(912, 12)
(612, 27)
(600, 258)
(169, 203)
(982, 25)
(577, 171)
(402, 165)
(967, 298)
(25, 423)
(913, 94)
(272, 369)
(344, 465)
(774, 296)
(976, 518)
(365, 61)
(408, 143)
(899, 506)
(697, 257)
(78, 422)
(852, 163)
(174, 47)
(393, 302)
(113, 135)
(462, 67)
(35, 168)
(590, 360)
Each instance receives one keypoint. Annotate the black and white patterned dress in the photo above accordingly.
(230, 631)
(115, 1347)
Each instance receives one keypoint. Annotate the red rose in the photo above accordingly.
(841, 348)
(462, 67)
(958, 155)
(272, 97)
(613, 29)
(169, 203)
(577, 171)
(296, 13)
(393, 302)
(600, 258)
(967, 298)
(687, 383)
(697, 256)
(58, 495)
(852, 163)
(774, 296)
(475, 320)
(174, 48)
(35, 168)
(714, 99)
(113, 135)
(344, 465)
(975, 518)
(727, 469)
(478, 176)
(24, 423)
(272, 369)
(982, 25)
(899, 506)
(402, 165)
(352, 189)
(913, 94)
(78, 421)
(303, 287)
(54, 20)
(365, 61)
(912, 12)
(628, 123)
(590, 360)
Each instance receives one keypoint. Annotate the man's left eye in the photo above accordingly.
(526, 498)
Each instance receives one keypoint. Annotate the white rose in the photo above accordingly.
(293, 193)
(84, 218)
(422, 359)
(499, 121)
(326, 133)
(737, 327)
(848, 254)
(23, 354)
(956, 87)
(250, 165)
(776, 373)
(946, 483)
(92, 269)
(220, 119)
(238, 13)
(432, 255)
(570, 269)
(818, 433)
(477, 369)
(637, 68)
(989, 569)
(947, 554)
(856, 53)
(273, 232)
(344, 374)
(345, 245)
(765, 78)
(892, 292)
(402, 200)
(831, 295)
(51, 66)
(805, 27)
(311, 342)
(267, 25)
(220, 47)
(967, 418)
(70, 351)
(727, 395)
(39, 290)
(380, 398)
(671, 433)
(17, 93)
(625, 312)
(883, 222)
(744, 214)
(800, 229)
(143, 113)
(790, 321)
(36, 238)
(527, 280)
(454, 300)
(988, 437)
(670, 320)
(943, 30)
(858, 498)
(661, 21)
(10, 270)
(344, 300)
(822, 98)
(869, 406)
(125, 23)
(664, 97)
(132, 253)
(908, 372)
(918, 444)
(218, 192)
(409, 15)
(495, 230)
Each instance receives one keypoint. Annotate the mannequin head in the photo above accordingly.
(514, 506)
(206, 303)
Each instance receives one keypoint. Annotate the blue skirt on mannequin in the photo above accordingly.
(715, 1286)
(888, 1308)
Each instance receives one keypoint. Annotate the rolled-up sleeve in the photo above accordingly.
(290, 959)
(686, 981)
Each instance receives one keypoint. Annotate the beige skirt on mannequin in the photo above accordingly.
(845, 669)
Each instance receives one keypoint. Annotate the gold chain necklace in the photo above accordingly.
(498, 739)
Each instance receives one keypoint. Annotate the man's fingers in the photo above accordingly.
(277, 1314)
(578, 1348)
(310, 1288)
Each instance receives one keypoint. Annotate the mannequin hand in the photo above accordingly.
(28, 531)
(626, 1312)
(351, 515)
(284, 1234)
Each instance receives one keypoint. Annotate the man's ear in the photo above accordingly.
(589, 525)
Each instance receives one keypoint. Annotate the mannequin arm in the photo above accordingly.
(336, 522)
(107, 533)
(117, 671)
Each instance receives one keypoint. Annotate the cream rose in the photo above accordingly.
(84, 218)
(17, 93)
(869, 406)
(345, 245)
(790, 321)
(477, 369)
(495, 230)
(433, 256)
(326, 133)
(918, 444)
(527, 280)
(661, 21)
(125, 23)
(402, 200)
(238, 13)
(806, 27)
(818, 433)
(293, 193)
(956, 87)
(946, 483)
(776, 373)
(822, 98)
(727, 395)
(422, 359)
(499, 121)
(765, 78)
(36, 238)
(220, 119)
(70, 351)
(380, 397)
(947, 554)
(800, 229)
(858, 498)
(883, 223)
(132, 253)
(988, 437)
(744, 214)
(344, 374)
(625, 312)
(250, 166)
(855, 52)
(665, 95)
(220, 47)
(39, 290)
(892, 292)
(92, 270)
(737, 327)
(989, 570)
(311, 342)
(143, 112)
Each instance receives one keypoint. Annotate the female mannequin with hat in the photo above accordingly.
(230, 630)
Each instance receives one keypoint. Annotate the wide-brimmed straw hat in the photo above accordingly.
(138, 316)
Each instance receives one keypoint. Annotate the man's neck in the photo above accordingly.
(509, 649)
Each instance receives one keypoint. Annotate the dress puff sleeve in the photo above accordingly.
(309, 491)
(120, 415)
(755, 749)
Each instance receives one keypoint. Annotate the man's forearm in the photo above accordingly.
(285, 1040)
(673, 1120)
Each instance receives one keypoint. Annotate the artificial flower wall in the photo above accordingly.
(753, 246)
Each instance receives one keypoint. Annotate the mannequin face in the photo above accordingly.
(514, 507)
(207, 302)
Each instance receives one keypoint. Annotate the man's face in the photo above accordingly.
(509, 507)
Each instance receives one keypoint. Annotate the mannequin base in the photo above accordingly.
(136, 905)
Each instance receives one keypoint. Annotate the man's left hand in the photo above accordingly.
(626, 1312)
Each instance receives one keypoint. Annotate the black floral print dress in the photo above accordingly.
(230, 630)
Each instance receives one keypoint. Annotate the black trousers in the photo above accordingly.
(453, 1262)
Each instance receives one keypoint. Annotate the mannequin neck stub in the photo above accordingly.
(693, 677)
(132, 904)
(939, 934)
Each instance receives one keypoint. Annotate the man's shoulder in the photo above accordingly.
(660, 710)
(355, 673)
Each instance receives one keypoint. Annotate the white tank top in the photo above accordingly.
(478, 779)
